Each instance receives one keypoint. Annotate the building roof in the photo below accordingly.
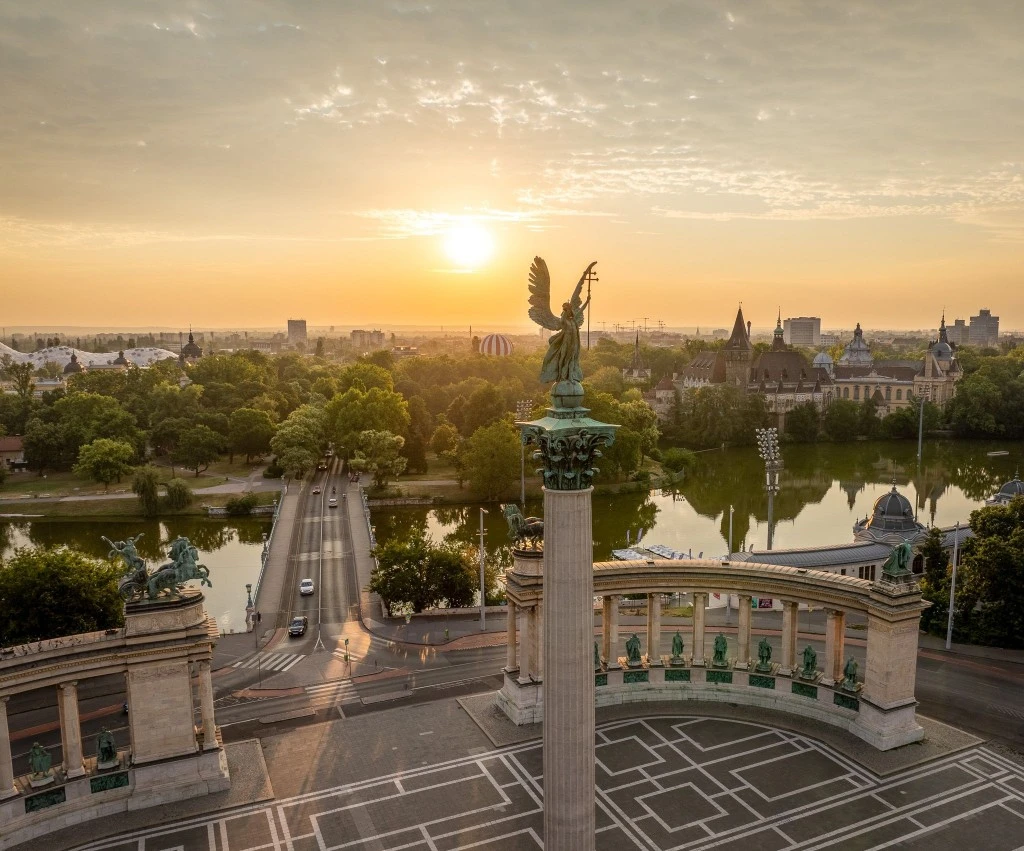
(776, 365)
(73, 365)
(705, 366)
(12, 443)
(665, 384)
(835, 555)
(739, 340)
(856, 351)
(191, 349)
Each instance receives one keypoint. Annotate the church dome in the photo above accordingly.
(942, 351)
(893, 512)
(857, 351)
(822, 359)
(1014, 487)
(121, 360)
(73, 365)
(191, 348)
(497, 345)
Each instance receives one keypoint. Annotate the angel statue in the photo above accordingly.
(562, 361)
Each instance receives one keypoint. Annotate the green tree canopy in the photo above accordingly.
(146, 486)
(355, 411)
(492, 460)
(197, 448)
(179, 494)
(802, 423)
(841, 420)
(418, 573)
(299, 440)
(379, 453)
(250, 431)
(46, 593)
(105, 461)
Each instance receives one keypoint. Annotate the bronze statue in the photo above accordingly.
(562, 361)
(523, 530)
(718, 660)
(898, 563)
(633, 651)
(764, 656)
(597, 657)
(810, 663)
(39, 760)
(677, 647)
(850, 675)
(106, 750)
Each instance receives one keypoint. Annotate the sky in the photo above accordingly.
(393, 161)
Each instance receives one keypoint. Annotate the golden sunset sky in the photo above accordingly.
(239, 163)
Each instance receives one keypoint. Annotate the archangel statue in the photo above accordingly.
(562, 361)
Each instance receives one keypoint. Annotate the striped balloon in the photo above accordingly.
(496, 344)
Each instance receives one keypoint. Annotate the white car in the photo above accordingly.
(306, 587)
(332, 503)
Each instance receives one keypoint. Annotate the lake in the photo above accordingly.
(230, 549)
(824, 489)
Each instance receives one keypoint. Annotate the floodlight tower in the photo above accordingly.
(768, 449)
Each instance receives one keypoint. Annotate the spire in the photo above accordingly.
(739, 340)
(943, 338)
(779, 339)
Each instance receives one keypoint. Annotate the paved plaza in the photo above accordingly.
(666, 781)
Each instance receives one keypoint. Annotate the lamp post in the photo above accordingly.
(483, 588)
(768, 449)
(523, 408)
(952, 585)
(249, 608)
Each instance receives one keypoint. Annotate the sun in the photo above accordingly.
(468, 244)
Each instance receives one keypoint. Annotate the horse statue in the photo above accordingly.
(133, 580)
(523, 530)
(898, 563)
(183, 567)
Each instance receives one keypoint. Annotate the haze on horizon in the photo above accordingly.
(236, 164)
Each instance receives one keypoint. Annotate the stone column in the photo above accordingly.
(511, 663)
(789, 622)
(538, 640)
(743, 639)
(611, 632)
(7, 789)
(700, 602)
(569, 772)
(527, 648)
(835, 639)
(654, 629)
(70, 729)
(206, 707)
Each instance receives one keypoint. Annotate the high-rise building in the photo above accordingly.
(802, 331)
(958, 333)
(365, 340)
(296, 332)
(984, 329)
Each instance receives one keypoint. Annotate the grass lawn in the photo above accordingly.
(123, 508)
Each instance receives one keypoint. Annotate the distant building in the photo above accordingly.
(12, 451)
(637, 372)
(366, 340)
(404, 351)
(984, 329)
(802, 331)
(828, 340)
(959, 334)
(191, 350)
(297, 332)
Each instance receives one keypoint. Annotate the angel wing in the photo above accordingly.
(540, 296)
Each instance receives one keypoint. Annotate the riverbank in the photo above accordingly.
(121, 506)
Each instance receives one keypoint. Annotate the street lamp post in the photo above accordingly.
(768, 449)
(483, 587)
(952, 585)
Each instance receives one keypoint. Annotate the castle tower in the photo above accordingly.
(738, 353)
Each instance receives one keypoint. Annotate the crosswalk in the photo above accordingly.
(339, 691)
(278, 662)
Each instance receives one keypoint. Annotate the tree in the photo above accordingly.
(249, 432)
(445, 440)
(484, 406)
(679, 460)
(197, 448)
(355, 411)
(841, 420)
(379, 453)
(105, 460)
(298, 440)
(46, 593)
(146, 486)
(802, 423)
(418, 573)
(179, 494)
(417, 438)
(44, 445)
(492, 460)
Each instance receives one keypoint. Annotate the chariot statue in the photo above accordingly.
(138, 583)
(523, 530)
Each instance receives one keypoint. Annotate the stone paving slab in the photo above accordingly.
(679, 782)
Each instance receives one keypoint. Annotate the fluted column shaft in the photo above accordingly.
(6, 763)
(743, 639)
(789, 623)
(835, 640)
(611, 630)
(206, 706)
(526, 647)
(511, 662)
(569, 821)
(70, 729)
(654, 629)
(700, 602)
(538, 639)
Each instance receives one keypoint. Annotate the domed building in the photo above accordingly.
(190, 351)
(891, 521)
(1007, 493)
(496, 345)
(121, 360)
(857, 352)
(73, 367)
(823, 360)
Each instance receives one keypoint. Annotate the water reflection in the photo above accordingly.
(825, 488)
(231, 550)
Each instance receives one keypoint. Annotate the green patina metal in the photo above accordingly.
(844, 701)
(600, 679)
(42, 800)
(718, 676)
(635, 677)
(106, 782)
(677, 676)
(759, 681)
(805, 690)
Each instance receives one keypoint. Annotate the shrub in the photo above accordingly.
(241, 505)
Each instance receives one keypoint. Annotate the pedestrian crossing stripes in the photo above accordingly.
(334, 692)
(278, 662)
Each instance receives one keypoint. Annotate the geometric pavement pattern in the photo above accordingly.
(663, 782)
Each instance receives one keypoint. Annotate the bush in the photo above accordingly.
(179, 494)
(241, 505)
(679, 460)
(274, 470)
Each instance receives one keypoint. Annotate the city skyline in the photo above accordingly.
(403, 164)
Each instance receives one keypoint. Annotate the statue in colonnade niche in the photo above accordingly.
(810, 663)
(106, 749)
(721, 648)
(849, 675)
(677, 648)
(39, 761)
(764, 656)
(633, 651)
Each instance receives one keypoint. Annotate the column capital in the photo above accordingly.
(68, 684)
